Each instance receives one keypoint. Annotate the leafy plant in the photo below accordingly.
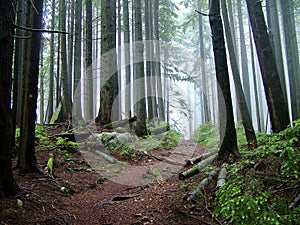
(262, 186)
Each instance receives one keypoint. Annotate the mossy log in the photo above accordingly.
(192, 195)
(199, 158)
(222, 176)
(197, 168)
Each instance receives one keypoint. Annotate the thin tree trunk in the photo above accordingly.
(66, 99)
(127, 58)
(292, 55)
(227, 128)
(41, 89)
(275, 99)
(19, 45)
(244, 58)
(71, 43)
(148, 61)
(51, 66)
(203, 67)
(255, 85)
(161, 108)
(119, 58)
(274, 33)
(77, 62)
(141, 129)
(246, 117)
(89, 104)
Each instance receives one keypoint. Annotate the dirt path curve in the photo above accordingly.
(90, 199)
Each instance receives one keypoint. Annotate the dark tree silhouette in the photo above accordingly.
(8, 186)
(227, 127)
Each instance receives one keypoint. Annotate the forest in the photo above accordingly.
(150, 112)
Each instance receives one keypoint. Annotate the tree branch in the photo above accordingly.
(203, 14)
(40, 30)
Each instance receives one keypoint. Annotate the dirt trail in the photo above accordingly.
(91, 199)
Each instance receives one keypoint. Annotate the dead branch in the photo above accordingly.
(40, 30)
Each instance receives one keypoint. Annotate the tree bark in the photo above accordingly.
(127, 58)
(241, 98)
(77, 113)
(27, 161)
(244, 58)
(51, 72)
(109, 74)
(141, 129)
(292, 55)
(8, 186)
(227, 127)
(275, 99)
(274, 32)
(19, 45)
(202, 64)
(255, 85)
(89, 105)
(161, 108)
(66, 99)
(149, 61)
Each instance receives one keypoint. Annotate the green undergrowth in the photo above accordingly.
(264, 186)
(166, 140)
(207, 135)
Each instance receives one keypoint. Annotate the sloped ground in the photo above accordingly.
(79, 195)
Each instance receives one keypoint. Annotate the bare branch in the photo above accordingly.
(40, 30)
(203, 14)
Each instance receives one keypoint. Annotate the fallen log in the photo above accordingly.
(197, 168)
(105, 156)
(192, 195)
(222, 176)
(199, 158)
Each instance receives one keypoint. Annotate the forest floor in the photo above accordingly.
(79, 195)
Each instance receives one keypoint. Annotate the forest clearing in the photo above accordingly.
(150, 112)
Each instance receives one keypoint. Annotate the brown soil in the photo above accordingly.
(91, 199)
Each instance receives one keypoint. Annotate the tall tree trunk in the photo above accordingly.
(58, 73)
(19, 45)
(292, 55)
(51, 66)
(244, 58)
(66, 99)
(41, 88)
(27, 161)
(255, 84)
(77, 113)
(274, 33)
(89, 105)
(227, 127)
(8, 186)
(127, 58)
(161, 108)
(119, 58)
(109, 74)
(148, 61)
(71, 19)
(203, 67)
(234, 36)
(246, 117)
(275, 99)
(141, 129)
